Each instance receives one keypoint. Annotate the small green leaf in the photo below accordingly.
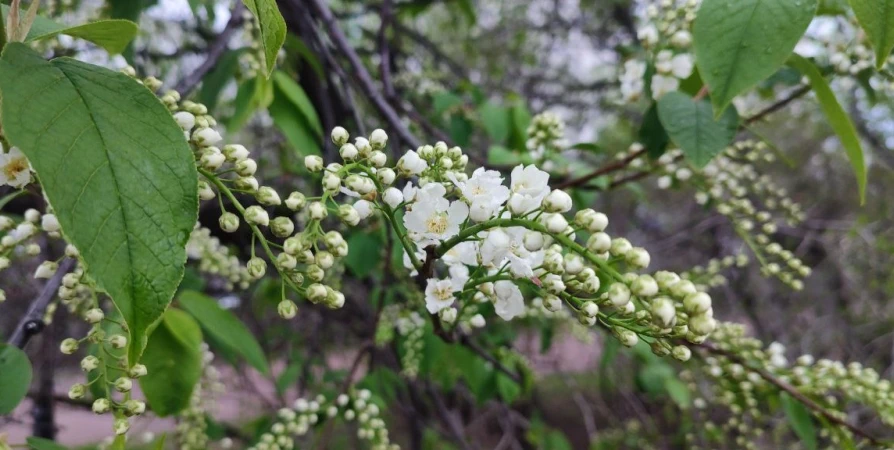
(113, 35)
(293, 124)
(295, 93)
(15, 377)
(800, 420)
(691, 126)
(117, 170)
(288, 377)
(272, 27)
(738, 43)
(877, 19)
(652, 134)
(173, 359)
(591, 147)
(518, 134)
(496, 122)
(365, 254)
(838, 119)
(225, 327)
(678, 392)
(502, 156)
(36, 443)
(253, 94)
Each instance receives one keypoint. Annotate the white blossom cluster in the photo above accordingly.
(753, 203)
(545, 136)
(840, 42)
(215, 259)
(354, 406)
(19, 241)
(410, 326)
(710, 275)
(666, 36)
(192, 422)
(15, 170)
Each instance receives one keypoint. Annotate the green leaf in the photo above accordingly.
(877, 19)
(116, 169)
(272, 27)
(496, 121)
(365, 254)
(225, 327)
(288, 377)
(113, 35)
(36, 443)
(293, 124)
(678, 392)
(521, 119)
(502, 156)
(173, 359)
(295, 93)
(15, 377)
(652, 134)
(253, 94)
(800, 420)
(738, 43)
(691, 126)
(838, 119)
(591, 147)
(217, 79)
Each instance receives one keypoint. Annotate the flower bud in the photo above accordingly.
(137, 371)
(644, 286)
(295, 201)
(46, 269)
(69, 346)
(697, 303)
(335, 300)
(77, 391)
(118, 341)
(121, 426)
(348, 152)
(287, 309)
(378, 138)
(556, 223)
(619, 295)
(448, 315)
(393, 197)
(256, 215)
(339, 136)
(212, 159)
(364, 208)
(235, 153)
(702, 325)
(590, 309)
(348, 215)
(628, 338)
(316, 293)
(89, 363)
(477, 321)
(533, 241)
(206, 137)
(620, 247)
(324, 259)
(681, 353)
(123, 384)
(313, 163)
(553, 283)
(574, 264)
(557, 201)
(378, 160)
(94, 315)
(185, 120)
(257, 267)
(664, 314)
(101, 406)
(249, 184)
(49, 223)
(286, 261)
(246, 168)
(363, 146)
(229, 222)
(317, 211)
(282, 227)
(638, 258)
(205, 191)
(134, 407)
(268, 196)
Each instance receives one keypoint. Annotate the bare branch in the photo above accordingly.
(215, 51)
(32, 323)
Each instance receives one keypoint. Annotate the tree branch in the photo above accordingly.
(32, 323)
(215, 51)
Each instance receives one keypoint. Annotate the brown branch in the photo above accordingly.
(32, 323)
(782, 103)
(792, 391)
(604, 170)
(215, 51)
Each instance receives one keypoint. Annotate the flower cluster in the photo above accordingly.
(710, 275)
(215, 259)
(546, 136)
(666, 36)
(355, 406)
(410, 326)
(192, 422)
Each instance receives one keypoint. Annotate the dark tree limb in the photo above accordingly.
(32, 323)
(215, 51)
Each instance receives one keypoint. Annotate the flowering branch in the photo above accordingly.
(32, 323)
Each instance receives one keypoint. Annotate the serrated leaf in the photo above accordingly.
(113, 35)
(877, 19)
(800, 420)
(15, 377)
(225, 327)
(738, 43)
(173, 359)
(272, 27)
(691, 125)
(117, 170)
(838, 119)
(36, 443)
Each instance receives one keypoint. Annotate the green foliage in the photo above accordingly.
(738, 43)
(253, 94)
(294, 114)
(496, 122)
(838, 119)
(15, 377)
(365, 253)
(272, 26)
(800, 420)
(112, 35)
(217, 79)
(36, 443)
(691, 125)
(652, 134)
(877, 19)
(227, 329)
(128, 200)
(173, 358)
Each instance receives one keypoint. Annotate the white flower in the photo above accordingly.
(46, 269)
(463, 253)
(206, 137)
(484, 192)
(363, 208)
(339, 135)
(378, 138)
(348, 152)
(439, 294)
(648, 35)
(681, 66)
(15, 170)
(663, 61)
(434, 219)
(313, 163)
(529, 186)
(411, 163)
(634, 70)
(681, 39)
(393, 197)
(557, 201)
(663, 84)
(632, 90)
(509, 303)
(506, 245)
(49, 223)
(477, 321)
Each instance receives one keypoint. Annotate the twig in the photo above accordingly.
(361, 75)
(796, 394)
(606, 169)
(782, 103)
(215, 51)
(454, 425)
(32, 323)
